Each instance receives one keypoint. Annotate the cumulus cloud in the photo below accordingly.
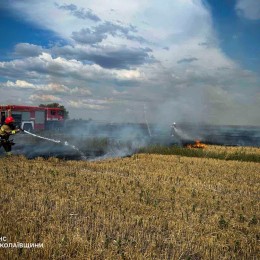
(34, 66)
(121, 58)
(89, 104)
(187, 60)
(27, 50)
(17, 84)
(58, 88)
(80, 13)
(249, 9)
(45, 65)
(44, 98)
(123, 51)
(118, 57)
(87, 36)
(98, 33)
(54, 88)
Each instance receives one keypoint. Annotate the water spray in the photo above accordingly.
(178, 133)
(147, 125)
(173, 126)
(58, 141)
(77, 149)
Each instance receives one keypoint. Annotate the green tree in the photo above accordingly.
(66, 112)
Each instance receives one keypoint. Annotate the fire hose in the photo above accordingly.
(42, 137)
(10, 142)
(57, 141)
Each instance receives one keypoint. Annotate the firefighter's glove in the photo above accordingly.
(16, 131)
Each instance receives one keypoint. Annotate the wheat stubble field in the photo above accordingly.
(147, 206)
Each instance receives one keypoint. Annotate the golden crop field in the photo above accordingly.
(141, 207)
(233, 149)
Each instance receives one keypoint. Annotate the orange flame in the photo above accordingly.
(197, 144)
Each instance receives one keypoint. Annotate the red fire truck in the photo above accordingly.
(34, 118)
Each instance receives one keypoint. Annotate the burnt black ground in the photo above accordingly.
(117, 142)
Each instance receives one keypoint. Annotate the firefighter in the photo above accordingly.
(2, 118)
(7, 129)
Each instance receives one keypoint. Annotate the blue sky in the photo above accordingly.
(239, 36)
(185, 60)
(14, 30)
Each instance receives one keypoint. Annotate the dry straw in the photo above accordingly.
(141, 207)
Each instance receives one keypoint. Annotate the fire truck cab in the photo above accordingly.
(34, 118)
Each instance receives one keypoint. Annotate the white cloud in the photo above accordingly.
(48, 15)
(26, 49)
(17, 84)
(249, 9)
(134, 52)
(51, 87)
(154, 20)
(62, 89)
(44, 98)
(45, 66)
(89, 104)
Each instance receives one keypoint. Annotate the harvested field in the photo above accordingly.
(145, 206)
(234, 149)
